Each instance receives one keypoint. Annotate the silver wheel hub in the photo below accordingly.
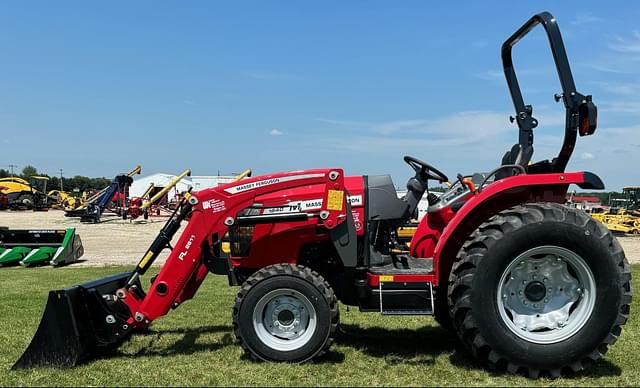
(546, 294)
(284, 319)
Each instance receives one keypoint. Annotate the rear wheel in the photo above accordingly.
(285, 313)
(540, 288)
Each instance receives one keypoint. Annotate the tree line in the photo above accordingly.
(78, 182)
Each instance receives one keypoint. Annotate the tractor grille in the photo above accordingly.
(240, 240)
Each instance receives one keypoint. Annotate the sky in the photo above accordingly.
(97, 88)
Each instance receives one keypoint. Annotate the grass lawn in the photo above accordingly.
(194, 345)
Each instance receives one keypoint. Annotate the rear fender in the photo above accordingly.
(499, 196)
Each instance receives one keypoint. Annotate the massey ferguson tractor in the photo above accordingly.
(530, 285)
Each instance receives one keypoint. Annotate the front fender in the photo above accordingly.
(498, 196)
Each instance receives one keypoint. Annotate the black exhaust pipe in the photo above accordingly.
(78, 324)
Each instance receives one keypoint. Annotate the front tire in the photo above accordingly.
(285, 313)
(540, 288)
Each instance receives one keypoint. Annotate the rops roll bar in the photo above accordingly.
(581, 112)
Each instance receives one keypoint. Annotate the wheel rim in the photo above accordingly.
(284, 319)
(546, 294)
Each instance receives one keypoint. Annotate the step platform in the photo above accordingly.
(402, 287)
(405, 265)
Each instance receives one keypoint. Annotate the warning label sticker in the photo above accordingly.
(335, 199)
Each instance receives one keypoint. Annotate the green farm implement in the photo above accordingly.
(31, 247)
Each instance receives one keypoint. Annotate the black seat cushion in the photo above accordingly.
(518, 155)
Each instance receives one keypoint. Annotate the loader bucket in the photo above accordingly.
(34, 246)
(78, 324)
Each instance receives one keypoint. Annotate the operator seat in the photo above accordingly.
(518, 155)
(382, 199)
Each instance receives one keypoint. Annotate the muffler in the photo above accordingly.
(78, 324)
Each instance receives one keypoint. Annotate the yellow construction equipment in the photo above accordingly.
(23, 194)
(64, 200)
(625, 219)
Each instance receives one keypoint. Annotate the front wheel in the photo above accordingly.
(540, 288)
(285, 313)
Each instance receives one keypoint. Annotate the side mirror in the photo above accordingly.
(587, 117)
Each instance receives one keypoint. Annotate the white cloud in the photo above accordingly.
(587, 156)
(498, 75)
(585, 18)
(604, 68)
(629, 107)
(188, 102)
(276, 132)
(458, 124)
(491, 75)
(467, 129)
(627, 88)
(627, 45)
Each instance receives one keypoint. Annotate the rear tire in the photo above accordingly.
(25, 200)
(511, 320)
(285, 313)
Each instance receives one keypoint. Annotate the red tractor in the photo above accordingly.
(531, 286)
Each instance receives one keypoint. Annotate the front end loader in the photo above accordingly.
(530, 285)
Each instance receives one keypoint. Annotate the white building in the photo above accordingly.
(200, 182)
(160, 180)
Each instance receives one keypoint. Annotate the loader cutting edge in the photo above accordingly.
(30, 247)
(78, 324)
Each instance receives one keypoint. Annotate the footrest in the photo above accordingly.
(405, 265)
(407, 312)
(405, 299)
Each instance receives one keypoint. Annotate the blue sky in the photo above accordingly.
(96, 88)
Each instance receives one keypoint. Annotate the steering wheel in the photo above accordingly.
(425, 170)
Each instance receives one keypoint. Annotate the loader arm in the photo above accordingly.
(212, 212)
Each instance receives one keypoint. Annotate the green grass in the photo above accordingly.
(194, 345)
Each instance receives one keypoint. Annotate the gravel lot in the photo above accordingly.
(123, 242)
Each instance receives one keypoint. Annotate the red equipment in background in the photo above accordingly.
(4, 199)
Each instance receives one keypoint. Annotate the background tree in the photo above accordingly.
(28, 171)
